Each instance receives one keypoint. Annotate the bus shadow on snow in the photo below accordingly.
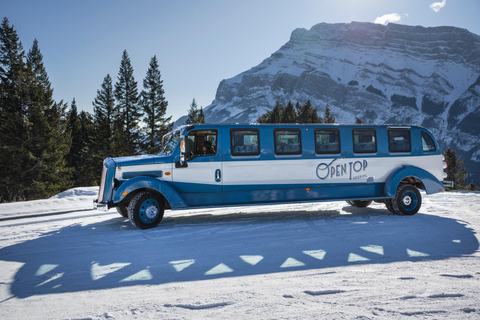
(112, 253)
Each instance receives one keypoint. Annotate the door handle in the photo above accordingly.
(218, 175)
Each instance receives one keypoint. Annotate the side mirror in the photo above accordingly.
(182, 163)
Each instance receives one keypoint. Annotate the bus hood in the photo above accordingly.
(142, 160)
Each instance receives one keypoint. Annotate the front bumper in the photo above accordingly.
(99, 206)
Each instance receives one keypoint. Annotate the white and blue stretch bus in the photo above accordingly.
(221, 164)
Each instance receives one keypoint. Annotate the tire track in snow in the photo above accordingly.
(199, 306)
(324, 292)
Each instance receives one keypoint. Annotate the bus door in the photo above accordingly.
(203, 170)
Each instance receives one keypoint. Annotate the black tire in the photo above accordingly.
(361, 203)
(407, 201)
(146, 210)
(388, 204)
(349, 202)
(123, 211)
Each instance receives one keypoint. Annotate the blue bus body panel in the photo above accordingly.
(135, 160)
(286, 194)
(173, 197)
(432, 185)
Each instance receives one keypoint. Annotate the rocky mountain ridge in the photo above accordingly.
(381, 74)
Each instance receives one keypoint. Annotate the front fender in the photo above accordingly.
(173, 197)
(432, 185)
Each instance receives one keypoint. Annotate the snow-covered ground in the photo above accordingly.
(297, 261)
(76, 199)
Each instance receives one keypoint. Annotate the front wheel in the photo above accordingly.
(145, 210)
(407, 201)
(123, 211)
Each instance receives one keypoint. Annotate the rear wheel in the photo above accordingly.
(145, 210)
(407, 201)
(360, 203)
(389, 205)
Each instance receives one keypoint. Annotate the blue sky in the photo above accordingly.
(197, 42)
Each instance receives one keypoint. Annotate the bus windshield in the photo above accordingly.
(169, 141)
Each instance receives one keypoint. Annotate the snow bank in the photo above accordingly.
(76, 199)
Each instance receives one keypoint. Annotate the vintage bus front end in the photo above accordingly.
(106, 184)
(141, 187)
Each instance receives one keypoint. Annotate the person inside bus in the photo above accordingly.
(207, 148)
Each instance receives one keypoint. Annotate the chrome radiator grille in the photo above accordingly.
(102, 185)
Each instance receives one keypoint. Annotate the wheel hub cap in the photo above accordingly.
(151, 211)
(407, 200)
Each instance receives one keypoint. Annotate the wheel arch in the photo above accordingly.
(131, 187)
(415, 176)
(126, 200)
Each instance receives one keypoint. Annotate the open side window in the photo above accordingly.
(200, 143)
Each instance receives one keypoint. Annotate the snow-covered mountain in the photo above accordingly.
(381, 74)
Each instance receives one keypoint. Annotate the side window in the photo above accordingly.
(288, 141)
(427, 142)
(201, 143)
(327, 141)
(244, 142)
(364, 141)
(399, 140)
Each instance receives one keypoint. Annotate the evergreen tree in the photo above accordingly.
(11, 59)
(288, 114)
(154, 107)
(85, 163)
(471, 187)
(55, 175)
(74, 128)
(201, 116)
(89, 165)
(33, 140)
(329, 116)
(455, 172)
(306, 113)
(35, 62)
(14, 163)
(273, 116)
(51, 141)
(103, 108)
(195, 115)
(127, 111)
(276, 114)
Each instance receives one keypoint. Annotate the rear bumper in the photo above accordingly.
(448, 184)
